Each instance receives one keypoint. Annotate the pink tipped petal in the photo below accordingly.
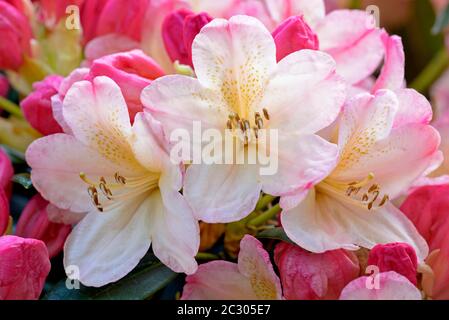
(313, 10)
(57, 162)
(221, 193)
(175, 234)
(254, 263)
(413, 108)
(392, 286)
(392, 74)
(303, 160)
(349, 37)
(323, 222)
(57, 215)
(304, 94)
(222, 47)
(106, 247)
(218, 280)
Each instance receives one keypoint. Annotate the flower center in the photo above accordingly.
(361, 191)
(246, 129)
(106, 195)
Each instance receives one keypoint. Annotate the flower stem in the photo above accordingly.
(10, 107)
(264, 217)
(431, 72)
(264, 202)
(207, 256)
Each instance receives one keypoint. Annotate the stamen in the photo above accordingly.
(86, 180)
(247, 125)
(384, 200)
(229, 124)
(103, 187)
(363, 182)
(256, 133)
(119, 179)
(374, 187)
(265, 114)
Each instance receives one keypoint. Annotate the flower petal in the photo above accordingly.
(322, 222)
(254, 263)
(218, 280)
(304, 94)
(221, 193)
(175, 233)
(98, 116)
(106, 247)
(392, 286)
(303, 161)
(57, 161)
(413, 108)
(177, 101)
(234, 55)
(350, 38)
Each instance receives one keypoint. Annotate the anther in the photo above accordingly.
(229, 124)
(119, 179)
(265, 114)
(374, 187)
(384, 200)
(365, 197)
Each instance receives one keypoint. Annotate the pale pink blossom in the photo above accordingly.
(235, 62)
(123, 177)
(314, 276)
(34, 223)
(252, 278)
(383, 150)
(24, 266)
(392, 286)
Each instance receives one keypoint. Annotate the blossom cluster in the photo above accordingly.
(356, 206)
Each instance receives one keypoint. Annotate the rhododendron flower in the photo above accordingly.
(240, 89)
(314, 276)
(15, 33)
(34, 223)
(428, 208)
(382, 152)
(252, 278)
(6, 172)
(24, 266)
(398, 257)
(392, 286)
(37, 105)
(4, 212)
(122, 176)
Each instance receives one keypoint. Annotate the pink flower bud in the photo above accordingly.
(4, 86)
(34, 223)
(37, 106)
(132, 71)
(15, 35)
(90, 11)
(398, 257)
(312, 276)
(173, 35)
(292, 35)
(192, 26)
(24, 266)
(6, 173)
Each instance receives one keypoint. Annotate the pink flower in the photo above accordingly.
(16, 34)
(428, 208)
(392, 286)
(179, 30)
(292, 35)
(4, 212)
(398, 257)
(4, 86)
(24, 266)
(311, 276)
(51, 11)
(6, 172)
(34, 223)
(37, 105)
(252, 278)
(123, 177)
(296, 98)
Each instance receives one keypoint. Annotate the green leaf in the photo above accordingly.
(148, 278)
(275, 234)
(442, 21)
(24, 179)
